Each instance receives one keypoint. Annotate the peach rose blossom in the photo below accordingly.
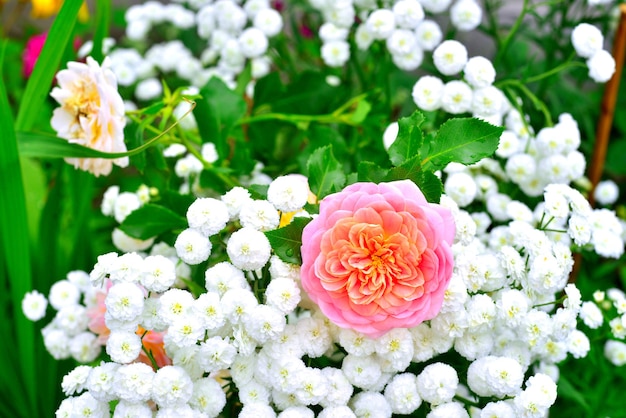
(91, 113)
(378, 257)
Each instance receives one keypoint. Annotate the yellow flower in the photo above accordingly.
(46, 8)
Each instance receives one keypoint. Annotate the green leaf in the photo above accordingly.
(428, 183)
(361, 112)
(464, 141)
(567, 390)
(103, 19)
(178, 203)
(431, 186)
(151, 220)
(369, 171)
(15, 259)
(326, 174)
(217, 112)
(286, 241)
(48, 62)
(409, 141)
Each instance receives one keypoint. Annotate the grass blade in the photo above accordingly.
(47, 64)
(15, 245)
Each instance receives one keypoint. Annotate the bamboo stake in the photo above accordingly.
(607, 109)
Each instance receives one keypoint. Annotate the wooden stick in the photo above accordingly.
(607, 109)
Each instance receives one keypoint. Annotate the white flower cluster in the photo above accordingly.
(255, 325)
(588, 42)
(609, 304)
(402, 26)
(234, 33)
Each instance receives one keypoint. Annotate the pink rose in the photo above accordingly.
(378, 257)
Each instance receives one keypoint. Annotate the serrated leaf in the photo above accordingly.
(465, 141)
(409, 141)
(151, 220)
(369, 171)
(326, 174)
(428, 183)
(286, 241)
(431, 186)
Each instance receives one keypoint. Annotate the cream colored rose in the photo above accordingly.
(91, 113)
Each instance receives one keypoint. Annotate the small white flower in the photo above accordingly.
(269, 21)
(124, 301)
(260, 215)
(125, 204)
(133, 382)
(126, 409)
(361, 371)
(363, 37)
(100, 381)
(606, 192)
(370, 404)
(208, 215)
(288, 193)
(248, 249)
(381, 23)
(408, 13)
(208, 397)
(314, 336)
(437, 383)
(171, 386)
(215, 354)
(108, 200)
(85, 347)
(264, 323)
(466, 15)
(186, 330)
(427, 92)
(192, 247)
(615, 352)
(223, 276)
(63, 293)
(330, 32)
(449, 409)
(123, 347)
(587, 40)
(235, 199)
(148, 89)
(456, 97)
(86, 406)
(356, 343)
(335, 53)
(339, 388)
(236, 303)
(591, 315)
(283, 293)
(74, 382)
(253, 42)
(601, 66)
(450, 57)
(479, 71)
(401, 393)
(461, 187)
(174, 304)
(428, 34)
(34, 305)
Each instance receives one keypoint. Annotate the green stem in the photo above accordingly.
(509, 37)
(149, 354)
